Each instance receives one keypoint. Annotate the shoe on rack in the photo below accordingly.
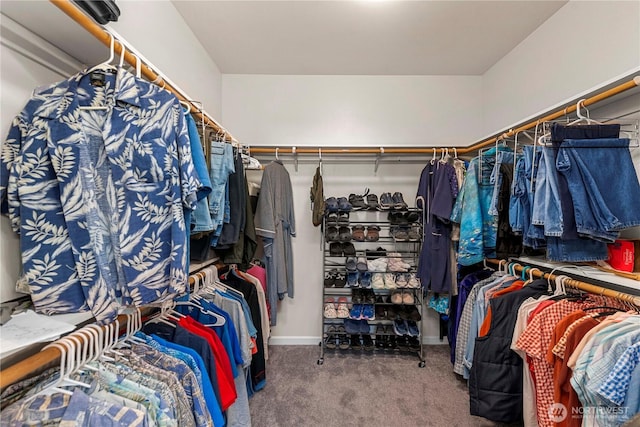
(355, 342)
(335, 249)
(344, 205)
(400, 234)
(368, 296)
(413, 216)
(350, 264)
(361, 264)
(348, 249)
(414, 234)
(402, 342)
(343, 340)
(357, 233)
(380, 252)
(341, 280)
(368, 312)
(373, 233)
(386, 201)
(344, 234)
(357, 201)
(381, 312)
(331, 235)
(398, 201)
(356, 296)
(343, 218)
(352, 279)
(330, 337)
(367, 342)
(331, 204)
(396, 297)
(364, 327)
(330, 278)
(401, 280)
(352, 326)
(390, 281)
(408, 298)
(380, 337)
(365, 280)
(343, 309)
(330, 309)
(412, 328)
(356, 312)
(414, 343)
(414, 281)
(377, 265)
(377, 280)
(331, 218)
(400, 327)
(391, 338)
(397, 218)
(412, 313)
(372, 202)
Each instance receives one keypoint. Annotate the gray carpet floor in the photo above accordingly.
(352, 389)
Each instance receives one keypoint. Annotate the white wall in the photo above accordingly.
(158, 31)
(349, 111)
(581, 46)
(352, 110)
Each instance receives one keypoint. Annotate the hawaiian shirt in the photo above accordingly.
(97, 195)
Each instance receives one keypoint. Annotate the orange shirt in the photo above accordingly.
(486, 324)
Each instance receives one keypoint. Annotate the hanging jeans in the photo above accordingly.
(603, 185)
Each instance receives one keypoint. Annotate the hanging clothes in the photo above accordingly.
(317, 198)
(237, 205)
(436, 194)
(275, 224)
(98, 195)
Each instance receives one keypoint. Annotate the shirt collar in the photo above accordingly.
(62, 99)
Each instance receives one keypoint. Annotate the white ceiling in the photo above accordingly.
(373, 37)
(362, 37)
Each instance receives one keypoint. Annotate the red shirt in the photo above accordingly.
(228, 393)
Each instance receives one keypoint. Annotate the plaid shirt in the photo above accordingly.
(614, 387)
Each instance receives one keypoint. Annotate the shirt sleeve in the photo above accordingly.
(292, 214)
(8, 188)
(189, 181)
(264, 220)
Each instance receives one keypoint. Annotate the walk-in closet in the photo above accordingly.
(304, 213)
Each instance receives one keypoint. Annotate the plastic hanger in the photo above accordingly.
(106, 65)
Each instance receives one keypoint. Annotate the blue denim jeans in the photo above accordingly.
(591, 168)
(496, 178)
(221, 167)
(575, 250)
(546, 204)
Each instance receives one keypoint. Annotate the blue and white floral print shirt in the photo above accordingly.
(97, 195)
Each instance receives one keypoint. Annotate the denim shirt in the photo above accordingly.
(97, 196)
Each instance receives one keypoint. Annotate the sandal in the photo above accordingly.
(330, 309)
(357, 233)
(344, 234)
(350, 264)
(373, 233)
(396, 297)
(341, 280)
(343, 218)
(335, 249)
(361, 264)
(348, 249)
(344, 205)
(330, 338)
(331, 204)
(332, 234)
(332, 218)
(330, 278)
(343, 309)
(343, 341)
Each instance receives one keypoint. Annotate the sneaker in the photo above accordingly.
(390, 281)
(356, 312)
(414, 343)
(396, 297)
(408, 298)
(368, 312)
(381, 312)
(351, 264)
(377, 281)
(412, 328)
(398, 201)
(352, 279)
(361, 264)
(399, 234)
(357, 201)
(381, 338)
(372, 202)
(413, 216)
(386, 201)
(364, 327)
(414, 234)
(356, 296)
(378, 265)
(331, 218)
(413, 282)
(365, 280)
(400, 327)
(401, 280)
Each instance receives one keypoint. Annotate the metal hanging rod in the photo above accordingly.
(104, 37)
(630, 84)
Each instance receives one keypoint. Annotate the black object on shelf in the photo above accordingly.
(102, 11)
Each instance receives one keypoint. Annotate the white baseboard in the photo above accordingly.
(316, 340)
